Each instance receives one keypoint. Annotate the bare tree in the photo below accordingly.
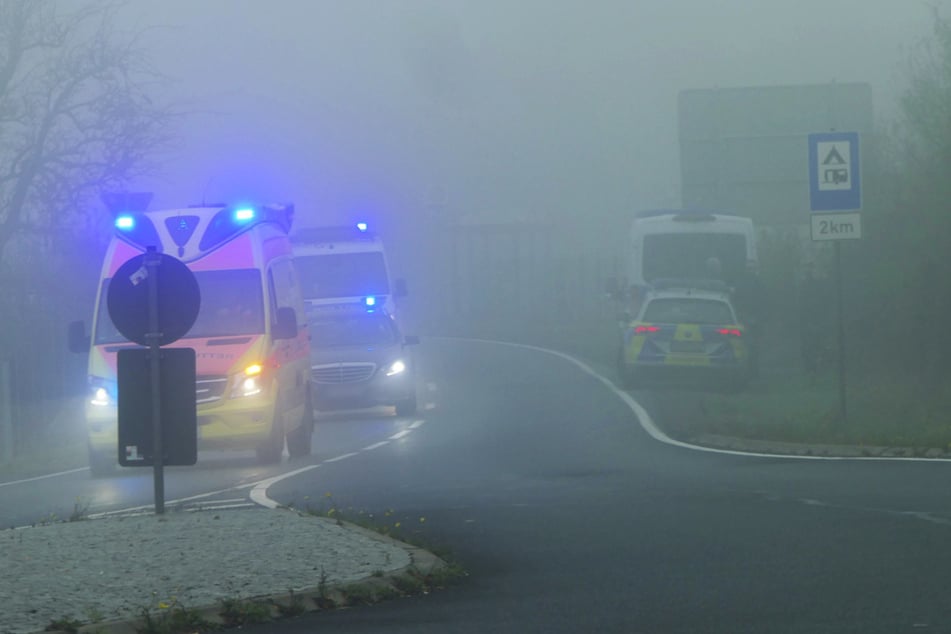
(76, 116)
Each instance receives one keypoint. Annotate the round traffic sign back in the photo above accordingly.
(178, 298)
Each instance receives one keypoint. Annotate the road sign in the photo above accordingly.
(834, 175)
(178, 298)
(837, 226)
(179, 414)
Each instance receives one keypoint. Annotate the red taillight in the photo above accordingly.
(735, 332)
(640, 330)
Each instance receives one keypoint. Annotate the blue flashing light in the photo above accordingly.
(125, 222)
(244, 214)
(362, 227)
(370, 301)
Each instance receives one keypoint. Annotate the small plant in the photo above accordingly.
(173, 619)
(410, 583)
(93, 615)
(236, 612)
(65, 624)
(359, 594)
(294, 607)
(80, 510)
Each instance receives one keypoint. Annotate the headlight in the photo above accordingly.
(247, 383)
(396, 368)
(102, 392)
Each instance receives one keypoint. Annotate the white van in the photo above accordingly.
(340, 265)
(679, 244)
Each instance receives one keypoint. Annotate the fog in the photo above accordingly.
(385, 108)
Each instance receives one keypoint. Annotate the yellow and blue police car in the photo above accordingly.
(685, 334)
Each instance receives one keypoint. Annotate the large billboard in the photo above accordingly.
(745, 150)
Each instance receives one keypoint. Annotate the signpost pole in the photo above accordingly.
(835, 191)
(843, 411)
(152, 262)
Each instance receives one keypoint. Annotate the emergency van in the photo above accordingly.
(251, 337)
(679, 244)
(345, 264)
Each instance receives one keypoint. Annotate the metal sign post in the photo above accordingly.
(154, 336)
(835, 192)
(153, 300)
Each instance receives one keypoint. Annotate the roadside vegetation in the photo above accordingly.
(896, 285)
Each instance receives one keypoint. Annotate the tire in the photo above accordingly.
(300, 440)
(272, 450)
(406, 407)
(102, 464)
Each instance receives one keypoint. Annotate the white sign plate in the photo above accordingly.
(837, 226)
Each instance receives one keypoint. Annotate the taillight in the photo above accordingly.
(735, 332)
(640, 330)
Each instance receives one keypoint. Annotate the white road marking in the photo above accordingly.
(259, 489)
(648, 425)
(431, 387)
(417, 424)
(341, 457)
(400, 434)
(43, 477)
(376, 445)
(429, 406)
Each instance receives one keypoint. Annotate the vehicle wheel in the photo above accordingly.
(299, 440)
(272, 449)
(406, 407)
(101, 463)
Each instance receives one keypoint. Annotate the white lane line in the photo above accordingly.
(428, 406)
(376, 445)
(647, 423)
(431, 387)
(43, 477)
(417, 424)
(259, 489)
(400, 434)
(341, 457)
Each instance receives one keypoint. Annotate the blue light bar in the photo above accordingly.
(362, 227)
(244, 214)
(125, 222)
(370, 301)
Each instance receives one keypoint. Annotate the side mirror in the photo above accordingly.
(286, 325)
(399, 288)
(76, 338)
(411, 340)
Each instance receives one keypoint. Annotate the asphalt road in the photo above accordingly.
(570, 517)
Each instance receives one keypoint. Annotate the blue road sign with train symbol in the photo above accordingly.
(834, 176)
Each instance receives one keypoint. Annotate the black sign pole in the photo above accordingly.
(843, 412)
(152, 262)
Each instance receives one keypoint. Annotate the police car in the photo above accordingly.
(359, 358)
(685, 333)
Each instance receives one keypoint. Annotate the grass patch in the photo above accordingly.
(236, 612)
(883, 410)
(176, 619)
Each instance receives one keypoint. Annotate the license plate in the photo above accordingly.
(686, 346)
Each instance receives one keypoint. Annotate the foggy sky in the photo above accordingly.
(385, 108)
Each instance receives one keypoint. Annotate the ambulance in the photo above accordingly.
(345, 264)
(251, 337)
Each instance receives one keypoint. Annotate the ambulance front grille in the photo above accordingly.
(209, 389)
